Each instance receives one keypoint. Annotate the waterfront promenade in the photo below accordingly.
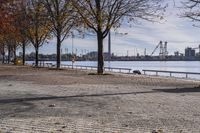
(41, 100)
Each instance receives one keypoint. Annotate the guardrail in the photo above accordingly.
(79, 67)
(43, 64)
(171, 72)
(110, 69)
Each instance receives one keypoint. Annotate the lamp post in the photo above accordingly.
(73, 60)
(109, 47)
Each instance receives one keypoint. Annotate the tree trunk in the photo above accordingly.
(24, 53)
(100, 69)
(36, 56)
(3, 54)
(9, 53)
(58, 51)
(14, 52)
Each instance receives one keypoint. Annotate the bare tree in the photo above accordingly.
(62, 19)
(192, 10)
(102, 15)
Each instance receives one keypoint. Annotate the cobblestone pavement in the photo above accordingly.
(27, 106)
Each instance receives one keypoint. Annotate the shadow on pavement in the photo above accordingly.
(23, 107)
(179, 90)
(12, 109)
(4, 101)
(14, 106)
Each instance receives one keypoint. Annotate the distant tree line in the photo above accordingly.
(35, 22)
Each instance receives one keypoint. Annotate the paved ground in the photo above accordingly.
(42, 100)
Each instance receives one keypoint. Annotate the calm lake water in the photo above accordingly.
(182, 66)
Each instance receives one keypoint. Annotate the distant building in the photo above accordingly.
(189, 52)
(94, 55)
(176, 53)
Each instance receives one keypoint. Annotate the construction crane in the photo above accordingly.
(197, 48)
(156, 48)
(163, 50)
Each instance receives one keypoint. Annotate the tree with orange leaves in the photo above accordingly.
(21, 24)
(9, 31)
(6, 21)
(38, 27)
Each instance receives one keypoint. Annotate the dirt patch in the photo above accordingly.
(48, 76)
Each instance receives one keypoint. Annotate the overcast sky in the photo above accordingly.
(178, 32)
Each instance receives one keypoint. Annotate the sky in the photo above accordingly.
(177, 31)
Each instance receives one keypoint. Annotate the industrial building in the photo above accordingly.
(189, 52)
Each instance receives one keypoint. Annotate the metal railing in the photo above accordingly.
(43, 64)
(171, 72)
(81, 67)
(110, 69)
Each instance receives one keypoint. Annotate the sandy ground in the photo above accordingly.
(71, 101)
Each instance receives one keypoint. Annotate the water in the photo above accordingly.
(182, 66)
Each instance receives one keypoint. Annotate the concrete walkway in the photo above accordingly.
(41, 100)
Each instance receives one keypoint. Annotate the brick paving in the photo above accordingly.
(96, 104)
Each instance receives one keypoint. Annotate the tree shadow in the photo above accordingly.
(179, 90)
(12, 109)
(14, 106)
(27, 106)
(40, 98)
(16, 100)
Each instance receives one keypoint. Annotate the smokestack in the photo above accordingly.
(165, 48)
(161, 47)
